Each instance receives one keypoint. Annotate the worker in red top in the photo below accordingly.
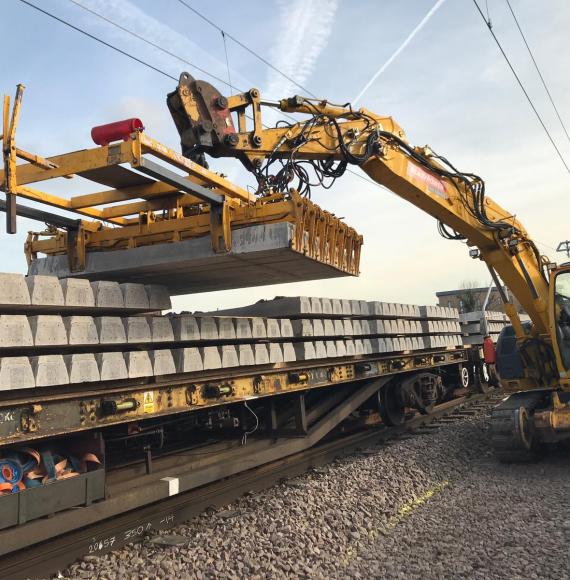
(489, 351)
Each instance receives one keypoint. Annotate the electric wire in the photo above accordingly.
(140, 37)
(246, 433)
(227, 61)
(245, 47)
(538, 71)
(488, 15)
(149, 42)
(521, 85)
(99, 40)
(125, 53)
(545, 245)
(121, 51)
(228, 83)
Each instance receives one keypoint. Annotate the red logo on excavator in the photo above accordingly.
(432, 183)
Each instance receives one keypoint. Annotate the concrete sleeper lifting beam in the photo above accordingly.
(259, 255)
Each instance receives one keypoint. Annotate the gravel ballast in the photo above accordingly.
(436, 505)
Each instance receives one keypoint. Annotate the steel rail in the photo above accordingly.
(53, 555)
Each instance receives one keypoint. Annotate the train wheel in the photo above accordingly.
(465, 377)
(390, 404)
(476, 377)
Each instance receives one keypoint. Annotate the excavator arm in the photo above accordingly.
(332, 137)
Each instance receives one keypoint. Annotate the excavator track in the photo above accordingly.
(512, 430)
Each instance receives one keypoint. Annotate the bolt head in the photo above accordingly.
(222, 102)
(231, 140)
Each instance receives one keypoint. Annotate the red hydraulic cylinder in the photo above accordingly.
(120, 130)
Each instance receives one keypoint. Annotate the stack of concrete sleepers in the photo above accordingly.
(476, 325)
(59, 332)
(260, 254)
(323, 326)
(55, 332)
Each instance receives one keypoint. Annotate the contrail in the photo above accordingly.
(421, 24)
(305, 29)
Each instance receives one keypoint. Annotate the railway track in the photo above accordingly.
(48, 557)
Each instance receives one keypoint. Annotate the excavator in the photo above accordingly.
(533, 359)
(313, 145)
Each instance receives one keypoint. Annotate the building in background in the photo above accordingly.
(472, 299)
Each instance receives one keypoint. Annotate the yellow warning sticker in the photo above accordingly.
(148, 399)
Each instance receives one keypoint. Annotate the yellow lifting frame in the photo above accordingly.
(167, 190)
(14, 178)
(164, 197)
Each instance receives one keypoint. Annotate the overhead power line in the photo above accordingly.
(147, 41)
(227, 62)
(119, 50)
(225, 33)
(488, 25)
(228, 83)
(538, 71)
(97, 39)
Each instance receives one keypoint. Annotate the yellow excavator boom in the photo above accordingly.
(339, 134)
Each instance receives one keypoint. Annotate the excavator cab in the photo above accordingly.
(535, 414)
(561, 317)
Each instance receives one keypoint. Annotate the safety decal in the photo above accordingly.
(433, 183)
(148, 399)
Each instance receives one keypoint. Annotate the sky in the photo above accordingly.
(449, 87)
